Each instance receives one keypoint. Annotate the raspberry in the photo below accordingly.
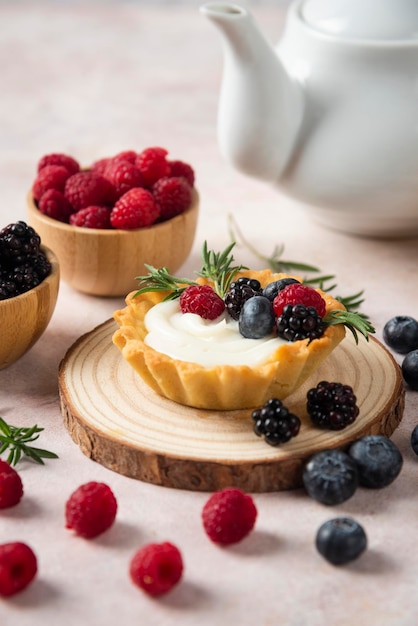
(179, 168)
(229, 516)
(299, 294)
(92, 217)
(127, 155)
(99, 167)
(59, 159)
(88, 189)
(135, 209)
(18, 567)
(11, 488)
(152, 165)
(91, 509)
(275, 423)
(123, 175)
(50, 177)
(156, 568)
(203, 301)
(54, 204)
(173, 195)
(332, 405)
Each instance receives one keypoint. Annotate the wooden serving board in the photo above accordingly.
(118, 421)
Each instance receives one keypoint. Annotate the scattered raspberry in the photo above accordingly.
(180, 168)
(173, 195)
(299, 294)
(156, 568)
(50, 177)
(18, 567)
(11, 487)
(88, 189)
(202, 300)
(135, 209)
(229, 516)
(123, 175)
(152, 164)
(59, 159)
(91, 509)
(92, 217)
(54, 204)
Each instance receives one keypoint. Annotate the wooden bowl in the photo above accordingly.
(24, 318)
(106, 262)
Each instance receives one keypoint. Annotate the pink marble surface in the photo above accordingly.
(91, 80)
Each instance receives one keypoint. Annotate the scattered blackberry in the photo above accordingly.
(341, 540)
(275, 422)
(23, 265)
(239, 292)
(332, 405)
(300, 322)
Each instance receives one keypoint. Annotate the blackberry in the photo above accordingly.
(341, 540)
(272, 289)
(330, 477)
(275, 423)
(239, 292)
(332, 405)
(300, 322)
(23, 265)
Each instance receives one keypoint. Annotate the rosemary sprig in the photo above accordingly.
(353, 321)
(217, 267)
(277, 264)
(17, 440)
(160, 279)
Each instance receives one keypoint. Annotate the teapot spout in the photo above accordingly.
(260, 107)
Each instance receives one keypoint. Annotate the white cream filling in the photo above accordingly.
(188, 337)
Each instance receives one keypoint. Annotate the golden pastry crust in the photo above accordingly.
(222, 387)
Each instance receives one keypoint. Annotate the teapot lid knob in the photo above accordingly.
(363, 19)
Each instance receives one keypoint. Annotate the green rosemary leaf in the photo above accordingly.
(218, 267)
(17, 439)
(353, 321)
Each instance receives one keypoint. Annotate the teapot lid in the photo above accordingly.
(363, 19)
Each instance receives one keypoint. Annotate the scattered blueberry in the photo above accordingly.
(257, 318)
(330, 477)
(410, 369)
(401, 333)
(272, 289)
(341, 540)
(414, 440)
(378, 460)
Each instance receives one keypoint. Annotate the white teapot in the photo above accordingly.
(331, 114)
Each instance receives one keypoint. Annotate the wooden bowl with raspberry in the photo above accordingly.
(25, 316)
(106, 222)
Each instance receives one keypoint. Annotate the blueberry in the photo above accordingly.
(272, 289)
(341, 540)
(410, 369)
(256, 319)
(330, 477)
(401, 333)
(378, 460)
(414, 440)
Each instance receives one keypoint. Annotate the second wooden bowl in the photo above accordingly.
(24, 318)
(106, 262)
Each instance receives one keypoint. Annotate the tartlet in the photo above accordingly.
(222, 387)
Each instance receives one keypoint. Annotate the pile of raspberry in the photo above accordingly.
(126, 191)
